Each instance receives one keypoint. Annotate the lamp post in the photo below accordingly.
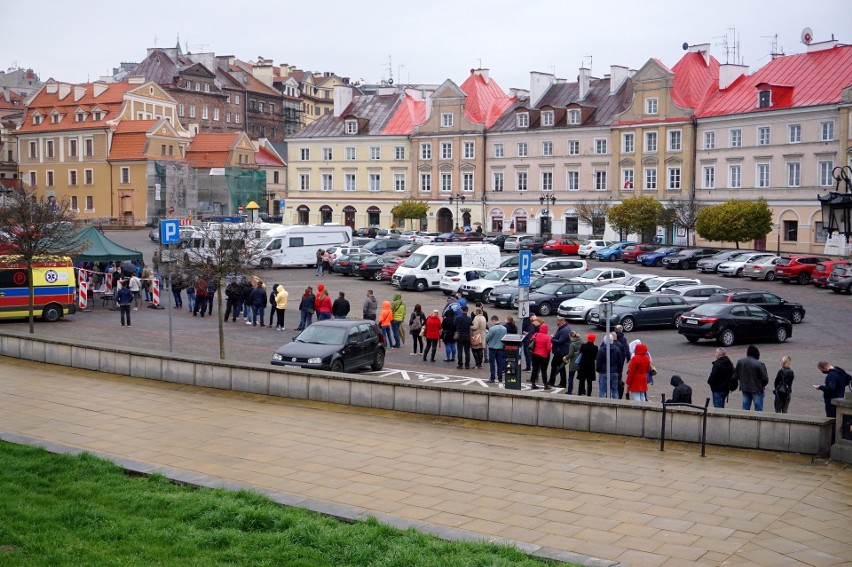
(836, 206)
(270, 196)
(457, 199)
(547, 201)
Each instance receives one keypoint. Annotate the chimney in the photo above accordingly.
(482, 73)
(729, 72)
(702, 49)
(98, 89)
(64, 90)
(617, 76)
(583, 83)
(342, 98)
(136, 80)
(515, 92)
(79, 92)
(51, 87)
(539, 83)
(822, 45)
(262, 71)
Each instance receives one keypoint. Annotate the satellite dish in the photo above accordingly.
(807, 36)
(685, 46)
(390, 81)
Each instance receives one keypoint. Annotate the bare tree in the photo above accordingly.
(594, 212)
(34, 227)
(684, 213)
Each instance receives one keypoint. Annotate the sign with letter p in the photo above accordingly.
(170, 231)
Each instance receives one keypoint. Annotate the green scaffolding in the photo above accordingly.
(245, 185)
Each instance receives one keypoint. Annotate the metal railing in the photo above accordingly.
(703, 421)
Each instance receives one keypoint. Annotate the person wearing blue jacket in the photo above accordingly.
(124, 299)
(496, 349)
(608, 376)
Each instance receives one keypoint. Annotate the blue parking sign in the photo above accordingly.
(170, 231)
(525, 261)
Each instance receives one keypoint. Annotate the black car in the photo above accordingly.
(840, 279)
(370, 267)
(496, 239)
(643, 310)
(688, 258)
(728, 323)
(534, 243)
(384, 246)
(370, 232)
(793, 312)
(339, 345)
(547, 298)
(346, 264)
(266, 217)
(505, 295)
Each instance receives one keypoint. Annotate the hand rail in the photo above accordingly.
(703, 421)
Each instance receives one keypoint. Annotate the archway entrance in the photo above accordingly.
(303, 213)
(445, 220)
(349, 216)
(373, 216)
(325, 214)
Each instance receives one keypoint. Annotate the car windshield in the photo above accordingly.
(551, 287)
(414, 260)
(321, 335)
(592, 274)
(593, 294)
(539, 263)
(654, 283)
(630, 301)
(496, 275)
(551, 241)
(710, 309)
(665, 250)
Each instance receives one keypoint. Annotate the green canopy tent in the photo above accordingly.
(98, 248)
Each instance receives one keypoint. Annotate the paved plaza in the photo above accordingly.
(551, 492)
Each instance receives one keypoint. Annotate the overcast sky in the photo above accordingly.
(427, 41)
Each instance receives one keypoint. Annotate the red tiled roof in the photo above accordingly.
(128, 146)
(213, 142)
(694, 79)
(814, 78)
(250, 83)
(109, 102)
(208, 159)
(264, 157)
(485, 101)
(134, 126)
(408, 114)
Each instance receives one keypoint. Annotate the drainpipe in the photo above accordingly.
(694, 170)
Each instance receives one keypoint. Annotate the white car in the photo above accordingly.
(737, 266)
(335, 252)
(658, 284)
(513, 242)
(408, 235)
(425, 237)
(579, 308)
(386, 233)
(633, 280)
(453, 279)
(562, 267)
(601, 276)
(479, 289)
(589, 247)
(763, 269)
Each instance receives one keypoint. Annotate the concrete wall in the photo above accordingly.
(733, 428)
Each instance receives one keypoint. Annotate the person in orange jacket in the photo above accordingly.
(385, 319)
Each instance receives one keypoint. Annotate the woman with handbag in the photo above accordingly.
(784, 385)
(637, 374)
(415, 326)
(477, 336)
(540, 347)
(586, 364)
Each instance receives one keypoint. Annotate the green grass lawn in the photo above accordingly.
(62, 510)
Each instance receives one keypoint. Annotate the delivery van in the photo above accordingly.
(424, 269)
(54, 283)
(297, 245)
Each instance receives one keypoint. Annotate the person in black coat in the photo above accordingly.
(448, 333)
(586, 367)
(721, 376)
(258, 304)
(783, 386)
(340, 307)
(682, 393)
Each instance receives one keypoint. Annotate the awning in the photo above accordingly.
(303, 208)
(349, 209)
(325, 209)
(374, 209)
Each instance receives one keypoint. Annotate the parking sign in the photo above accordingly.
(170, 231)
(525, 261)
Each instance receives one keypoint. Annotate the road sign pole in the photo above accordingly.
(524, 262)
(169, 233)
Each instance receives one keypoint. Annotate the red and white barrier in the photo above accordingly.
(155, 291)
(108, 280)
(83, 300)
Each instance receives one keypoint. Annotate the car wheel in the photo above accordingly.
(781, 334)
(738, 273)
(377, 276)
(379, 361)
(51, 313)
(337, 366)
(628, 323)
(544, 309)
(446, 292)
(658, 262)
(835, 290)
(420, 285)
(593, 255)
(589, 317)
(796, 316)
(770, 276)
(727, 338)
(265, 264)
(692, 339)
(684, 264)
(804, 278)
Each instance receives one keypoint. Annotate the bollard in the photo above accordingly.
(83, 299)
(155, 290)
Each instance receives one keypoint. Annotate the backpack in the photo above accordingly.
(733, 383)
(416, 324)
(846, 377)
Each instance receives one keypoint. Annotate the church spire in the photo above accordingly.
(177, 46)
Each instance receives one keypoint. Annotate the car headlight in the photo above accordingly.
(575, 309)
(315, 360)
(277, 356)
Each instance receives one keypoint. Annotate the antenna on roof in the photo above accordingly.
(389, 67)
(730, 43)
(155, 40)
(775, 53)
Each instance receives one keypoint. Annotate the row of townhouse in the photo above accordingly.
(532, 161)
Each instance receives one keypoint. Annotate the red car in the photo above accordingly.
(798, 267)
(824, 269)
(390, 267)
(560, 247)
(630, 253)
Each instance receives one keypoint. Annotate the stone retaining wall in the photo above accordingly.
(727, 427)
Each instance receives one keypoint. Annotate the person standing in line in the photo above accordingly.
(487, 325)
(540, 353)
(177, 284)
(463, 324)
(529, 328)
(432, 332)
(323, 304)
(586, 366)
(752, 377)
(272, 307)
(340, 308)
(415, 326)
(212, 288)
(135, 286)
(200, 296)
(637, 374)
(571, 360)
(124, 299)
(477, 337)
(561, 341)
(496, 349)
(190, 294)
(783, 387)
(232, 297)
(306, 309)
(385, 322)
(326, 262)
(370, 306)
(621, 342)
(247, 288)
(511, 327)
(147, 274)
(448, 334)
(319, 271)
(258, 304)
(608, 374)
(721, 378)
(834, 387)
(682, 393)
(398, 308)
(281, 306)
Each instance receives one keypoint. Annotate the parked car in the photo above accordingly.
(453, 279)
(546, 299)
(369, 232)
(600, 276)
(824, 269)
(404, 251)
(633, 280)
(580, 307)
(840, 280)
(630, 253)
(505, 295)
(409, 235)
(534, 244)
(346, 264)
(513, 242)
(792, 311)
(443, 237)
(338, 345)
(459, 237)
(643, 310)
(710, 264)
(762, 269)
(370, 267)
(559, 267)
(272, 219)
(478, 289)
(728, 323)
(154, 235)
(798, 267)
(660, 283)
(589, 248)
(384, 246)
(384, 233)
(360, 241)
(510, 262)
(390, 266)
(737, 266)
(336, 252)
(613, 252)
(655, 257)
(694, 294)
(497, 239)
(687, 258)
(425, 237)
(561, 247)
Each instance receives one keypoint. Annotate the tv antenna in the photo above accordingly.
(775, 52)
(389, 66)
(730, 43)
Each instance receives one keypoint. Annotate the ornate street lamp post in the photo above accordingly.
(457, 199)
(836, 206)
(548, 201)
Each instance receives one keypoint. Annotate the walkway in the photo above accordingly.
(553, 492)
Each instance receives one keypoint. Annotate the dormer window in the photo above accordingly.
(573, 116)
(764, 99)
(97, 115)
(188, 85)
(351, 126)
(446, 120)
(36, 119)
(55, 118)
(651, 105)
(523, 120)
(80, 117)
(547, 118)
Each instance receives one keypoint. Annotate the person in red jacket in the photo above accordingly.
(540, 356)
(432, 334)
(323, 304)
(637, 374)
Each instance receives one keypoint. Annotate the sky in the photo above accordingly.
(414, 42)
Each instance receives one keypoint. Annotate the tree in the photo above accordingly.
(411, 209)
(735, 221)
(594, 213)
(33, 227)
(684, 213)
(637, 214)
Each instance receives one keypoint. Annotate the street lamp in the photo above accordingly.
(457, 199)
(547, 201)
(836, 206)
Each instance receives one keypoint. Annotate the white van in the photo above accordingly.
(207, 242)
(424, 269)
(297, 245)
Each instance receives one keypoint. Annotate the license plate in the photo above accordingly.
(691, 321)
(594, 318)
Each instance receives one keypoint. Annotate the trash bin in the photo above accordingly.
(512, 348)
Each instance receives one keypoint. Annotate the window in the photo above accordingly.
(523, 120)
(33, 179)
(650, 179)
(468, 150)
(547, 148)
(446, 120)
(216, 114)
(74, 205)
(498, 150)
(228, 117)
(36, 119)
(375, 182)
(627, 179)
(33, 152)
(89, 176)
(708, 177)
(574, 116)
(521, 181)
(198, 86)
(72, 178)
(305, 154)
(763, 136)
(826, 131)
(497, 182)
(260, 106)
(736, 138)
(351, 126)
(125, 175)
(446, 150)
(764, 99)
(825, 168)
(600, 180)
(237, 118)
(674, 179)
(547, 118)
(628, 143)
(228, 98)
(547, 181)
(791, 231)
(600, 146)
(651, 105)
(251, 105)
(573, 147)
(735, 176)
(49, 179)
(275, 177)
(375, 153)
(573, 180)
(650, 142)
(350, 153)
(522, 149)
(794, 133)
(675, 140)
(399, 182)
(399, 153)
(204, 114)
(763, 175)
(90, 147)
(192, 111)
(80, 117)
(446, 182)
(49, 148)
(425, 150)
(426, 182)
(709, 140)
(327, 180)
(304, 182)
(55, 118)
(467, 182)
(794, 174)
(90, 204)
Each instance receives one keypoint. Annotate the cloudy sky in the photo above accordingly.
(426, 42)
